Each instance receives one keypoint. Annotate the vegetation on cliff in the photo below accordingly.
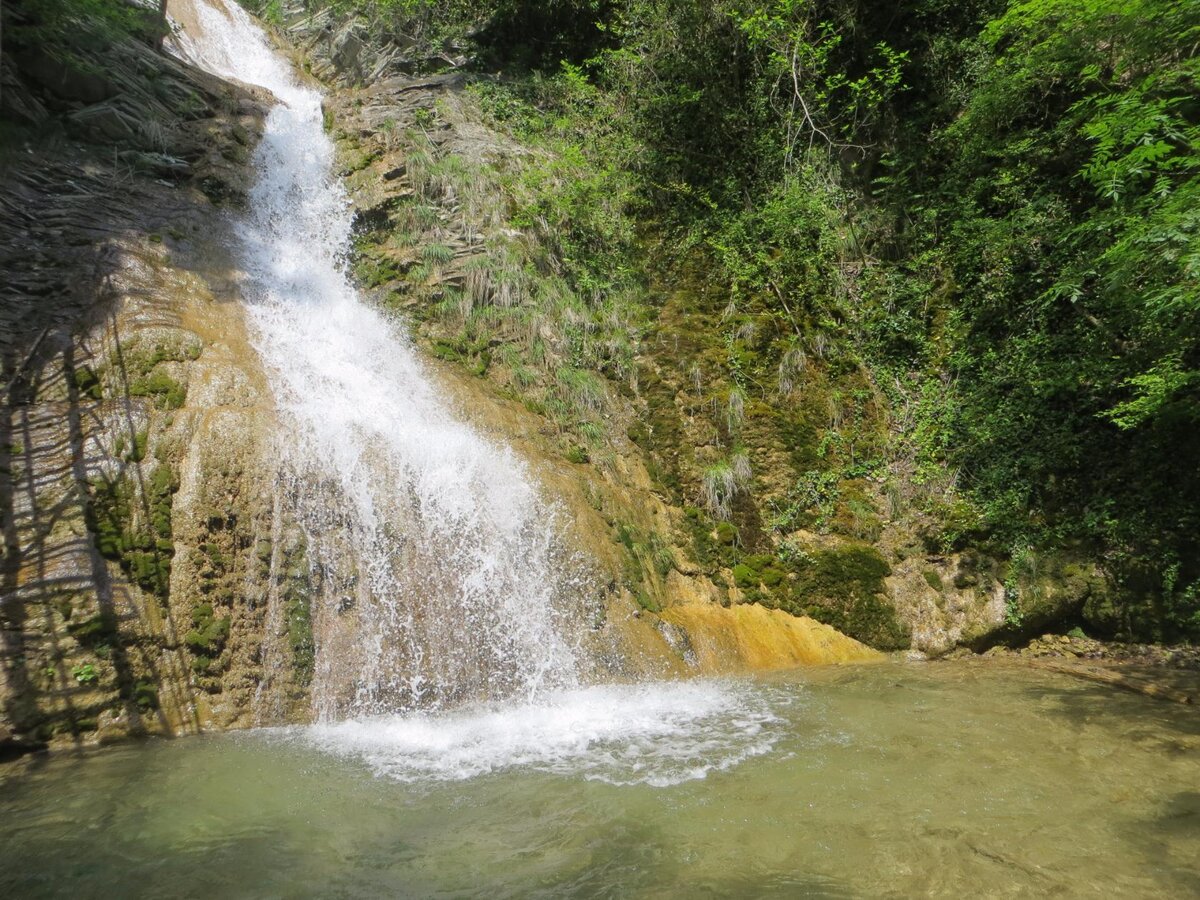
(936, 264)
(921, 282)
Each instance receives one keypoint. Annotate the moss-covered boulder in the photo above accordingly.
(843, 587)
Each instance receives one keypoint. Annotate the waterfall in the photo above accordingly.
(440, 575)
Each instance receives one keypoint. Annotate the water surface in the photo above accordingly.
(870, 781)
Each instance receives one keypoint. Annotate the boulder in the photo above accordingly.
(346, 51)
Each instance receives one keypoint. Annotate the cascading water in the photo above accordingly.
(440, 581)
(441, 578)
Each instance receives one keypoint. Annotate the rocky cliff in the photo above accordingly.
(154, 579)
(728, 457)
(134, 505)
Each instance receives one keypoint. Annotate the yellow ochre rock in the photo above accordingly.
(751, 637)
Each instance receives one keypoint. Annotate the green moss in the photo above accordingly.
(374, 271)
(710, 551)
(140, 359)
(162, 487)
(150, 568)
(468, 350)
(481, 364)
(94, 630)
(296, 594)
(844, 587)
(744, 576)
(933, 579)
(577, 455)
(209, 633)
(144, 553)
(850, 568)
(108, 516)
(165, 390)
(358, 161)
(138, 452)
(88, 384)
(215, 556)
(726, 534)
(646, 602)
(661, 556)
(772, 576)
(145, 695)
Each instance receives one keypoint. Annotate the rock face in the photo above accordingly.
(135, 505)
(427, 169)
(153, 579)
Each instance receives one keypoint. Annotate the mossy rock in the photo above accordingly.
(150, 569)
(871, 620)
(1058, 593)
(139, 360)
(773, 577)
(88, 384)
(844, 587)
(94, 630)
(298, 613)
(215, 556)
(297, 599)
(138, 451)
(209, 634)
(145, 695)
(646, 602)
(166, 392)
(744, 576)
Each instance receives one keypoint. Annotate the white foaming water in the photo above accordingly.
(656, 734)
(440, 576)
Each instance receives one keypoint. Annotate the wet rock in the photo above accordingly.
(112, 727)
(13, 744)
(139, 357)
